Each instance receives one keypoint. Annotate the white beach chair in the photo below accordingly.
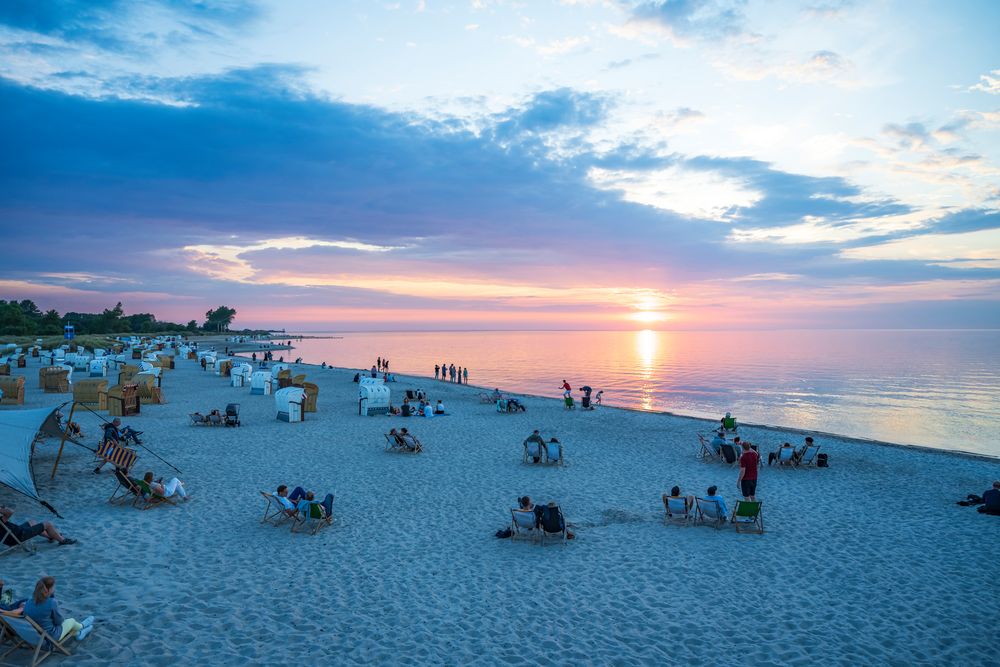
(522, 525)
(678, 512)
(708, 513)
(532, 451)
(807, 457)
(555, 454)
(275, 512)
(786, 456)
(705, 451)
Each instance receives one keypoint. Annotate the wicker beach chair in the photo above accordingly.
(748, 517)
(523, 525)
(24, 633)
(678, 511)
(708, 513)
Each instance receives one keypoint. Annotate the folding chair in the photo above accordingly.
(708, 512)
(148, 497)
(807, 457)
(786, 457)
(552, 524)
(127, 487)
(706, 453)
(314, 518)
(25, 633)
(554, 454)
(275, 513)
(111, 452)
(678, 512)
(532, 451)
(9, 536)
(522, 524)
(747, 516)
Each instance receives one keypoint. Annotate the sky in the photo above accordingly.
(485, 164)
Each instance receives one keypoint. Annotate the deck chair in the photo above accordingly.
(678, 512)
(532, 451)
(214, 420)
(198, 419)
(708, 512)
(486, 398)
(25, 633)
(729, 424)
(392, 443)
(786, 456)
(149, 499)
(553, 524)
(808, 456)
(554, 454)
(729, 454)
(747, 516)
(126, 488)
(314, 519)
(8, 535)
(232, 414)
(706, 453)
(275, 513)
(120, 457)
(522, 525)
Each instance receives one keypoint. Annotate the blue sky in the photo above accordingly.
(575, 164)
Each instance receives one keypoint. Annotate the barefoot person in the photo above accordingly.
(168, 489)
(25, 531)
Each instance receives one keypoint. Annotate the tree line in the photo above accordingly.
(24, 318)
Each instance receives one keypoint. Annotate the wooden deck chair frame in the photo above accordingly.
(756, 523)
(315, 520)
(148, 499)
(810, 451)
(675, 516)
(126, 489)
(393, 443)
(791, 459)
(275, 513)
(706, 453)
(542, 453)
(15, 626)
(557, 462)
(18, 544)
(519, 531)
(704, 518)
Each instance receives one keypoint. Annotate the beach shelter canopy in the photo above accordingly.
(18, 429)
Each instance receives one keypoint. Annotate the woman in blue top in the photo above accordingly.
(43, 609)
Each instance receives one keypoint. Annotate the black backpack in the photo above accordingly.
(822, 461)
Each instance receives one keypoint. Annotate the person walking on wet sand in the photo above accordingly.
(465, 375)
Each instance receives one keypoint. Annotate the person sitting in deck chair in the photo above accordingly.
(550, 519)
(167, 490)
(408, 441)
(784, 455)
(675, 494)
(25, 531)
(310, 498)
(533, 446)
(717, 442)
(43, 609)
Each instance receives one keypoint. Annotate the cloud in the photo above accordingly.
(755, 65)
(988, 83)
(968, 250)
(555, 47)
(684, 20)
(554, 109)
(619, 64)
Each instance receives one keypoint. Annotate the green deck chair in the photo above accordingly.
(747, 516)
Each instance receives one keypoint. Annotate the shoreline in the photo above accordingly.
(709, 422)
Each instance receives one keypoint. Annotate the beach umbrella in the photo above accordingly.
(18, 432)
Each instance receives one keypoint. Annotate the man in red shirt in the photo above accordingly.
(747, 481)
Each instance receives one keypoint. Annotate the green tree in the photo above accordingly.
(50, 324)
(12, 320)
(219, 319)
(192, 325)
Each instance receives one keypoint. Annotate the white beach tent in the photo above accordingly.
(18, 429)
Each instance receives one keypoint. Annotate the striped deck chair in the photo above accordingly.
(313, 518)
(522, 525)
(127, 488)
(708, 512)
(148, 498)
(111, 452)
(747, 516)
(678, 511)
(25, 633)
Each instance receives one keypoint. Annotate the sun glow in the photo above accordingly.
(648, 316)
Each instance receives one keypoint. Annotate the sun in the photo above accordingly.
(648, 316)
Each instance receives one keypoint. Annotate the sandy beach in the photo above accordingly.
(869, 561)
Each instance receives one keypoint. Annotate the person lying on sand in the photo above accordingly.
(25, 531)
(168, 489)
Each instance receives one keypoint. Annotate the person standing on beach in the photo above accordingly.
(459, 375)
(451, 372)
(385, 365)
(444, 371)
(747, 481)
(436, 369)
(465, 375)
(378, 362)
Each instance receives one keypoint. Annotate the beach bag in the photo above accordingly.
(822, 461)
(503, 534)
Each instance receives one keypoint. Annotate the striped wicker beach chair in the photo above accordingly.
(23, 632)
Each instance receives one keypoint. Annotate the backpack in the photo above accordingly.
(822, 461)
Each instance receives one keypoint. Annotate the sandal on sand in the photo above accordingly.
(67, 540)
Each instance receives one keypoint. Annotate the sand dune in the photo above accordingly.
(867, 562)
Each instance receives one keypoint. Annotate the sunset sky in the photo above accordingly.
(427, 164)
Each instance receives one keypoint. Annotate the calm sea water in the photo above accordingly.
(934, 388)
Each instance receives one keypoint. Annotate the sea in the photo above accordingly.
(932, 388)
